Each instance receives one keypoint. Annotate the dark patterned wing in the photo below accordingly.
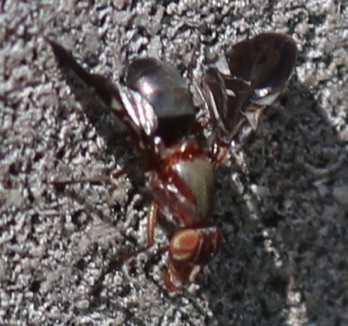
(129, 106)
(246, 80)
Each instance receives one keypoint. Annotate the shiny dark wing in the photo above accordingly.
(244, 83)
(164, 88)
(129, 106)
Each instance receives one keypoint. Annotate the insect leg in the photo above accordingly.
(96, 180)
(152, 219)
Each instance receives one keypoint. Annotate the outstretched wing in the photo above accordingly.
(246, 80)
(129, 106)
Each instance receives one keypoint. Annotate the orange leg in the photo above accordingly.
(95, 180)
(152, 219)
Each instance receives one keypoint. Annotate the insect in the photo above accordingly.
(156, 107)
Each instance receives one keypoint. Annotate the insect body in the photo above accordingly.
(156, 107)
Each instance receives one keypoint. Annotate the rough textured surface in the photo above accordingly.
(284, 215)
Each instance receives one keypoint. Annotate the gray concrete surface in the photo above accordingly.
(283, 213)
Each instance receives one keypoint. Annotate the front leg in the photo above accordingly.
(152, 219)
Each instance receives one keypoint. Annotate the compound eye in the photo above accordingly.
(190, 250)
(184, 246)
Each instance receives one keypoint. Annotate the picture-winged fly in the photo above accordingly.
(156, 107)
